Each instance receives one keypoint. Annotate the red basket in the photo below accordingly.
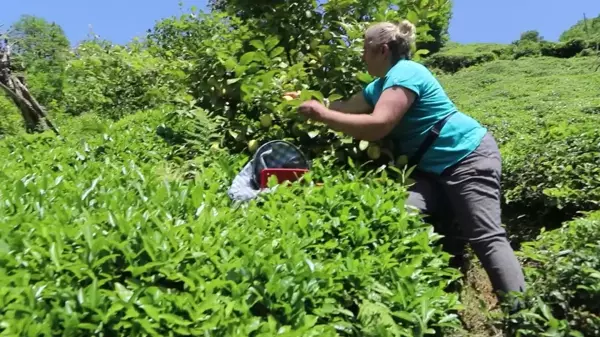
(282, 174)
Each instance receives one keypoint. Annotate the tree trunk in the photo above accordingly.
(34, 116)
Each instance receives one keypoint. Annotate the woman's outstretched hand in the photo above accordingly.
(312, 109)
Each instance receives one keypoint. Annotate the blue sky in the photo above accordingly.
(473, 20)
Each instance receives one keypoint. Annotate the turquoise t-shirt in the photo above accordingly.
(459, 137)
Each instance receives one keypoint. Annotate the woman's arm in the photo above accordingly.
(390, 109)
(355, 105)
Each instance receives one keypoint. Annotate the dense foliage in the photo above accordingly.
(139, 251)
(299, 23)
(453, 58)
(122, 225)
(563, 269)
(241, 65)
(10, 121)
(584, 29)
(40, 49)
(541, 110)
(114, 81)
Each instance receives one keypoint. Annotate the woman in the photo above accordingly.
(458, 174)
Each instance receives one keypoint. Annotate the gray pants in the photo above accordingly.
(464, 203)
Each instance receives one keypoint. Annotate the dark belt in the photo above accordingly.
(431, 137)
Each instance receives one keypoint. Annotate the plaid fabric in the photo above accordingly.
(274, 154)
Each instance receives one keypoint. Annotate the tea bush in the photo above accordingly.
(453, 62)
(124, 228)
(563, 271)
(555, 172)
(568, 48)
(102, 236)
(539, 111)
(454, 57)
(11, 121)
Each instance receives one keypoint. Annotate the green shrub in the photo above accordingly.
(563, 275)
(105, 239)
(530, 35)
(566, 49)
(113, 81)
(557, 171)
(503, 51)
(588, 52)
(11, 121)
(455, 57)
(541, 112)
(451, 63)
(526, 48)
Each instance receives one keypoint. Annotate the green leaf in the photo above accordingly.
(240, 70)
(248, 58)
(87, 326)
(233, 134)
(257, 44)
(148, 327)
(230, 63)
(364, 77)
(271, 42)
(54, 254)
(412, 16)
(173, 319)
(312, 94)
(422, 52)
(405, 316)
(276, 52)
(334, 97)
(4, 247)
(124, 293)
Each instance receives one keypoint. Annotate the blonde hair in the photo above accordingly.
(399, 37)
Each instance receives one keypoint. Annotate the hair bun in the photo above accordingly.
(407, 31)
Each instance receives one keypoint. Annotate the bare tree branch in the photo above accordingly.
(33, 114)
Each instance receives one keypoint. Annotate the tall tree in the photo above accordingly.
(40, 50)
(299, 20)
(585, 29)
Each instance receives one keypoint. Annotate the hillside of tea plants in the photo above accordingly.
(122, 226)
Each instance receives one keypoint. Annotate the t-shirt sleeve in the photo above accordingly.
(369, 92)
(407, 77)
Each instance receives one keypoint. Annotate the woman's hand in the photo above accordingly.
(355, 105)
(312, 109)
